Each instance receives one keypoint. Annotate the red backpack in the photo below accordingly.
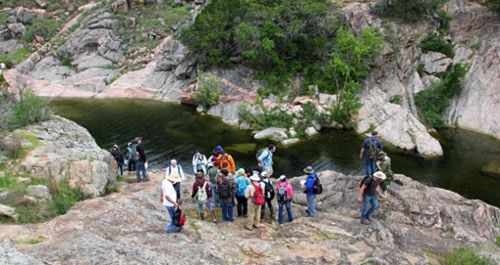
(179, 218)
(258, 195)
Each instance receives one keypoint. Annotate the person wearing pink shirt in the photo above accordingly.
(284, 192)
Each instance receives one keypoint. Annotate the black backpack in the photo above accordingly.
(269, 191)
(225, 191)
(363, 180)
(318, 188)
(179, 218)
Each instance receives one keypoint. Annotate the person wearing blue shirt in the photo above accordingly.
(311, 196)
(266, 159)
(365, 147)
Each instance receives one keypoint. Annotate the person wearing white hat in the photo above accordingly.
(176, 171)
(284, 193)
(168, 197)
(253, 209)
(367, 195)
(267, 187)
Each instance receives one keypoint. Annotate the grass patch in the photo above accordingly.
(33, 241)
(465, 256)
(12, 59)
(111, 187)
(196, 228)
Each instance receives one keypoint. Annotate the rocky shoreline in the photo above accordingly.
(129, 227)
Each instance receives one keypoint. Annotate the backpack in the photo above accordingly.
(318, 188)
(282, 193)
(242, 186)
(269, 190)
(179, 218)
(258, 196)
(257, 155)
(202, 196)
(134, 156)
(363, 180)
(372, 151)
(213, 174)
(225, 189)
(178, 173)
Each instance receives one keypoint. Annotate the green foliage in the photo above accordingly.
(408, 11)
(434, 101)
(421, 69)
(270, 118)
(278, 38)
(14, 148)
(66, 59)
(45, 27)
(209, 91)
(443, 20)
(436, 43)
(350, 62)
(111, 187)
(396, 99)
(465, 256)
(493, 6)
(11, 59)
(28, 109)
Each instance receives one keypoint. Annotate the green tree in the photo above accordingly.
(209, 91)
(350, 62)
(409, 11)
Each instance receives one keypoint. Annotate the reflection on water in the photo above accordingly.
(175, 131)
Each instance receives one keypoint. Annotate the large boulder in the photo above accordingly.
(39, 191)
(68, 152)
(435, 63)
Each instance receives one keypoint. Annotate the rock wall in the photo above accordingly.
(67, 151)
(129, 228)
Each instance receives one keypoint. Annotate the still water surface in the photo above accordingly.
(174, 131)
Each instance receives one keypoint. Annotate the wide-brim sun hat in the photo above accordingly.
(174, 178)
(254, 178)
(309, 170)
(380, 175)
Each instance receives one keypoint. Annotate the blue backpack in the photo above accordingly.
(242, 185)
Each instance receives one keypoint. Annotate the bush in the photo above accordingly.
(12, 59)
(29, 109)
(409, 11)
(45, 27)
(436, 43)
(493, 6)
(465, 256)
(209, 91)
(434, 101)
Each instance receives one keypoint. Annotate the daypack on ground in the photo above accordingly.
(225, 189)
(363, 180)
(258, 195)
(134, 156)
(372, 151)
(242, 186)
(269, 190)
(318, 188)
(179, 218)
(202, 196)
(282, 193)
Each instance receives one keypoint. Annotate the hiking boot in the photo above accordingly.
(271, 213)
(247, 228)
(213, 216)
(262, 213)
(256, 226)
(365, 222)
(202, 216)
(381, 199)
(369, 219)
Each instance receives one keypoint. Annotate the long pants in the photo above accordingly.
(369, 166)
(253, 215)
(131, 165)
(269, 204)
(139, 167)
(242, 205)
(281, 218)
(227, 211)
(177, 187)
(366, 213)
(311, 205)
(215, 195)
(171, 227)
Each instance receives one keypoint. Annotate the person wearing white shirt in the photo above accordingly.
(168, 196)
(176, 170)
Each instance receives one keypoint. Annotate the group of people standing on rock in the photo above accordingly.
(219, 184)
(378, 177)
(135, 159)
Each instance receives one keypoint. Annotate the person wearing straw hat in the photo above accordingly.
(253, 209)
(168, 197)
(367, 195)
(309, 191)
(176, 171)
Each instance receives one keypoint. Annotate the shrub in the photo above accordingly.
(209, 91)
(409, 11)
(493, 6)
(465, 256)
(421, 70)
(396, 99)
(29, 109)
(12, 59)
(436, 43)
(45, 27)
